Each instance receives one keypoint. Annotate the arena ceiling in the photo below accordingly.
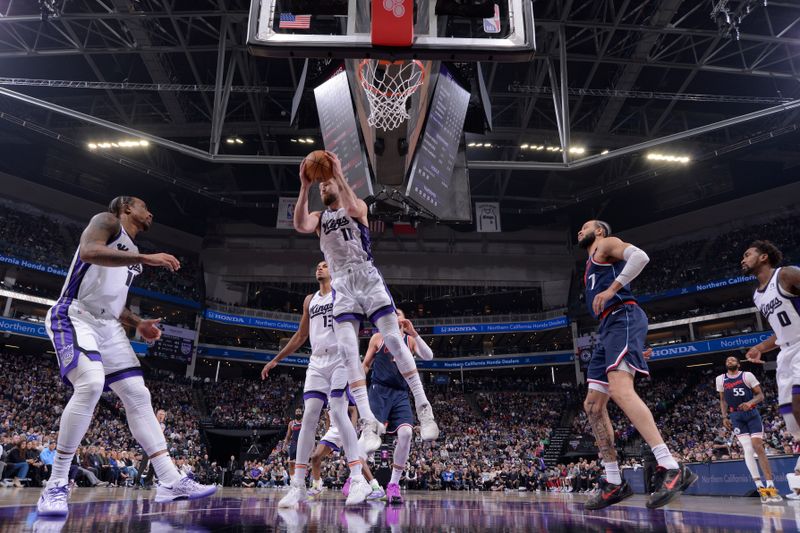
(634, 71)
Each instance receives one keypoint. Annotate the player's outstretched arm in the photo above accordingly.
(355, 206)
(94, 247)
(372, 349)
(304, 222)
(790, 280)
(294, 343)
(417, 343)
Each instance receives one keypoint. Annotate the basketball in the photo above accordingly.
(318, 166)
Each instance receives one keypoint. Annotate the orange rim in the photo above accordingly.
(411, 90)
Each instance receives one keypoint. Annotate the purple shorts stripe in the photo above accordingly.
(785, 409)
(316, 394)
(350, 398)
(330, 445)
(383, 311)
(122, 374)
(65, 340)
(337, 393)
(346, 317)
(795, 389)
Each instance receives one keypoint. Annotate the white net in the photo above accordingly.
(387, 86)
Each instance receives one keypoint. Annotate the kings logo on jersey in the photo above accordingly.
(66, 354)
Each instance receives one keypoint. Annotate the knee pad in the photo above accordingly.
(405, 433)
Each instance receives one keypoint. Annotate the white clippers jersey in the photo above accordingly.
(320, 325)
(781, 310)
(344, 241)
(102, 290)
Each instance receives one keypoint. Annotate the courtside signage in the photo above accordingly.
(698, 287)
(251, 321)
(507, 327)
(710, 346)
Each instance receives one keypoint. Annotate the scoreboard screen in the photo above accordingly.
(175, 343)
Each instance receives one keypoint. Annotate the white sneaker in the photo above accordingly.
(371, 431)
(792, 496)
(184, 489)
(297, 494)
(428, 428)
(359, 490)
(53, 501)
(376, 494)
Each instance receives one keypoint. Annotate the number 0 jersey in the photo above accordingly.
(101, 290)
(781, 310)
(320, 325)
(738, 389)
(344, 241)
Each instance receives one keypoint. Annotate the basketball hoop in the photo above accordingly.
(388, 84)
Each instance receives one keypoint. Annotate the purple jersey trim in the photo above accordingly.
(329, 444)
(316, 394)
(785, 409)
(345, 317)
(122, 374)
(383, 311)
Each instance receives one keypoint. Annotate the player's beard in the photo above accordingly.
(732, 368)
(329, 199)
(587, 241)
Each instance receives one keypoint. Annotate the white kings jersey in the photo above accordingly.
(320, 325)
(344, 241)
(781, 310)
(102, 290)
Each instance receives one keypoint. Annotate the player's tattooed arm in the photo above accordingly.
(294, 343)
(758, 397)
(147, 328)
(790, 280)
(94, 247)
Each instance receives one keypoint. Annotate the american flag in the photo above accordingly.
(290, 20)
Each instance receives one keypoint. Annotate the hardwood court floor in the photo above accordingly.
(113, 510)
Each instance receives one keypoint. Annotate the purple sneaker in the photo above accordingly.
(346, 488)
(393, 493)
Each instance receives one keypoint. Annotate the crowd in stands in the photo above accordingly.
(50, 241)
(250, 403)
(698, 261)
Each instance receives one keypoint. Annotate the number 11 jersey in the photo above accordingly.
(781, 310)
(344, 241)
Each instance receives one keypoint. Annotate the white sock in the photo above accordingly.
(312, 407)
(362, 401)
(165, 469)
(664, 457)
(347, 337)
(356, 469)
(397, 473)
(759, 484)
(317, 483)
(770, 484)
(612, 473)
(374, 484)
(299, 477)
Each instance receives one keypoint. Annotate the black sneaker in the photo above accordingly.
(673, 482)
(609, 494)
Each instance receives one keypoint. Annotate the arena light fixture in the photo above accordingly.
(124, 143)
(604, 152)
(668, 158)
(577, 150)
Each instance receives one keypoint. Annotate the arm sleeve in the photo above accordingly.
(423, 350)
(635, 261)
(750, 380)
(720, 388)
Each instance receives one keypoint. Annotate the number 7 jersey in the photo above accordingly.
(782, 311)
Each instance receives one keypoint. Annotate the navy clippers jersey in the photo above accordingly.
(737, 389)
(385, 371)
(296, 425)
(599, 277)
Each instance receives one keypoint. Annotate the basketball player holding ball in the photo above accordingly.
(359, 291)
